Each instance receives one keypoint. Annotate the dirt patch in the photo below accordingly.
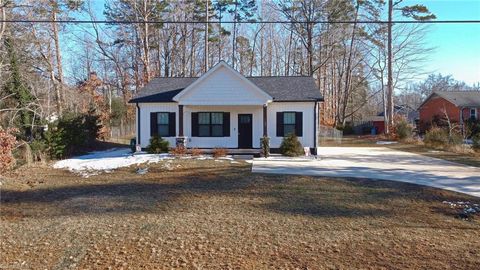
(217, 215)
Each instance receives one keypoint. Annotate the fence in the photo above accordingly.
(122, 133)
(329, 134)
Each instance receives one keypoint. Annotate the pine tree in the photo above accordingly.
(19, 94)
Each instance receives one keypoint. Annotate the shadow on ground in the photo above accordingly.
(159, 192)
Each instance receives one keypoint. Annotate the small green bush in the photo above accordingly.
(291, 146)
(39, 148)
(157, 145)
(404, 130)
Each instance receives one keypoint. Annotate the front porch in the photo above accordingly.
(237, 128)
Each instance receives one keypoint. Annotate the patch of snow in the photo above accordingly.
(203, 157)
(52, 118)
(105, 161)
(386, 142)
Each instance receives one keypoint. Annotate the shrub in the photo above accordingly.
(219, 152)
(291, 146)
(196, 152)
(157, 145)
(472, 127)
(347, 129)
(265, 145)
(436, 137)
(72, 134)
(476, 142)
(7, 143)
(455, 138)
(179, 151)
(403, 129)
(38, 148)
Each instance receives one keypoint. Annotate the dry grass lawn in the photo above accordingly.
(218, 215)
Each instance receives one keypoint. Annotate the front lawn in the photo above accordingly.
(207, 214)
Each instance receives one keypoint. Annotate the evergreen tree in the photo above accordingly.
(19, 94)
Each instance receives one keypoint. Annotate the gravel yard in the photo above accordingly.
(207, 214)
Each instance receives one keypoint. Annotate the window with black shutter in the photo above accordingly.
(162, 124)
(289, 123)
(211, 124)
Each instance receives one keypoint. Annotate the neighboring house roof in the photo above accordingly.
(281, 88)
(458, 98)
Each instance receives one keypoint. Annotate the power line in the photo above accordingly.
(240, 22)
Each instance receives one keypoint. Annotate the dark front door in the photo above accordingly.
(245, 131)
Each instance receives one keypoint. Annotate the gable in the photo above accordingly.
(222, 86)
(433, 100)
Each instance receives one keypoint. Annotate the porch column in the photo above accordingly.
(265, 131)
(180, 120)
(181, 141)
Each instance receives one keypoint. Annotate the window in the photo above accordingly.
(288, 123)
(210, 124)
(163, 128)
(162, 124)
(473, 113)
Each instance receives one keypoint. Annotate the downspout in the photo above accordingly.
(138, 125)
(315, 128)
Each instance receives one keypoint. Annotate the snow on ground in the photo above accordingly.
(106, 161)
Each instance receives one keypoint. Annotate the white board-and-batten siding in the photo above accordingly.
(222, 87)
(307, 108)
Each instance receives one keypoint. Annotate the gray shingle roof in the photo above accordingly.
(281, 88)
(459, 98)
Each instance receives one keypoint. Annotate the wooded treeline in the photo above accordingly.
(51, 68)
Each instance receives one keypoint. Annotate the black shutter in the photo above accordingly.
(226, 124)
(153, 124)
(279, 124)
(299, 124)
(171, 125)
(194, 124)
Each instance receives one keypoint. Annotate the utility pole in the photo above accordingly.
(389, 111)
(206, 37)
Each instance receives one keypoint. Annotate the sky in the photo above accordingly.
(456, 46)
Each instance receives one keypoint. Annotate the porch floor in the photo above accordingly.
(233, 151)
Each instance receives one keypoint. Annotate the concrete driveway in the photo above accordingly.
(378, 163)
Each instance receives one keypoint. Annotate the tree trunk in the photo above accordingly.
(234, 41)
(3, 17)
(59, 89)
(146, 47)
(389, 112)
(206, 38)
(348, 71)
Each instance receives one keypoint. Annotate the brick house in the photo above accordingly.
(458, 105)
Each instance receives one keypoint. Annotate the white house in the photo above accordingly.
(222, 108)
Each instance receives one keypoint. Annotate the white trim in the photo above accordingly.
(179, 96)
